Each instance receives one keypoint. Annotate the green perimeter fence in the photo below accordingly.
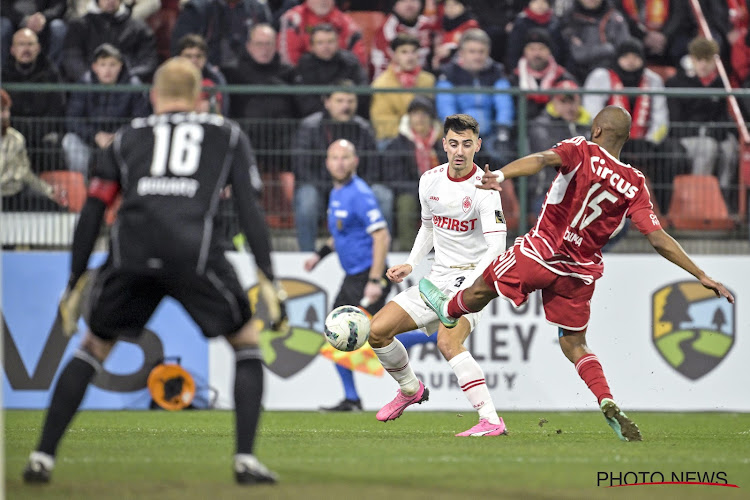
(698, 172)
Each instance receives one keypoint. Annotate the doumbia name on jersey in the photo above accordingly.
(167, 186)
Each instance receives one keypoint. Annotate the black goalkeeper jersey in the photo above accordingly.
(171, 169)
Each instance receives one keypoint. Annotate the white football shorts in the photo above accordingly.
(425, 319)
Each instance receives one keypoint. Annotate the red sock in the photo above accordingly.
(457, 307)
(590, 370)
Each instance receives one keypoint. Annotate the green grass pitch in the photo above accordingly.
(187, 455)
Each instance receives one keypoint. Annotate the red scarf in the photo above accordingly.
(542, 19)
(533, 80)
(641, 110)
(424, 152)
(407, 79)
(654, 15)
(707, 81)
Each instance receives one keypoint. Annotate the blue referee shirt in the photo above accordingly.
(353, 214)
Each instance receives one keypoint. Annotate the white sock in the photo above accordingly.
(471, 380)
(395, 360)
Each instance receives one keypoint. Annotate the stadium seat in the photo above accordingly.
(278, 198)
(697, 203)
(72, 183)
(369, 22)
(511, 206)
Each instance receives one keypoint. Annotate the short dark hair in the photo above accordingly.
(404, 39)
(323, 28)
(459, 123)
(106, 50)
(192, 41)
(341, 83)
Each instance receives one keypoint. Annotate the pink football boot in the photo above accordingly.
(485, 428)
(395, 408)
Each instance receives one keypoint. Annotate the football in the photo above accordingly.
(347, 328)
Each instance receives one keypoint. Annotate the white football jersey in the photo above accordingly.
(461, 215)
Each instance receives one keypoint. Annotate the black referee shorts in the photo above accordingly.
(123, 301)
(353, 289)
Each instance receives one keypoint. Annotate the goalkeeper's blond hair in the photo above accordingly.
(177, 79)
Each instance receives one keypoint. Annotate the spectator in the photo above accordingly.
(223, 23)
(315, 134)
(561, 118)
(681, 28)
(93, 117)
(537, 15)
(647, 148)
(360, 5)
(740, 43)
(456, 19)
(538, 70)
(712, 147)
(646, 21)
(592, 30)
(21, 189)
(403, 72)
(296, 23)
(109, 21)
(326, 63)
(27, 64)
(267, 119)
(407, 17)
(474, 68)
(43, 17)
(194, 47)
(162, 21)
(417, 148)
(143, 9)
(278, 8)
(495, 18)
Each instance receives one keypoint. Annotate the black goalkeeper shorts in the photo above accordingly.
(123, 301)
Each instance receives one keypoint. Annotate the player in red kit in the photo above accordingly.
(586, 205)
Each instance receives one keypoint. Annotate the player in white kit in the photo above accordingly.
(466, 227)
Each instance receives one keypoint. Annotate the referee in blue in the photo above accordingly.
(360, 237)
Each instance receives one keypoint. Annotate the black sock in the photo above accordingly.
(248, 392)
(67, 397)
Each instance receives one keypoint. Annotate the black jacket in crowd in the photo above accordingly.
(699, 111)
(317, 132)
(132, 37)
(92, 112)
(315, 71)
(269, 120)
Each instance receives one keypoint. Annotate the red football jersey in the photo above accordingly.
(586, 205)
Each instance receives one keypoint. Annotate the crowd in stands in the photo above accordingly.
(417, 45)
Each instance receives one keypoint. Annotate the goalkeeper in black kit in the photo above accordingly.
(170, 169)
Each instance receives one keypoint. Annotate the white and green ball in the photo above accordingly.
(347, 328)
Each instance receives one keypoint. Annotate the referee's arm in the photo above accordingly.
(381, 240)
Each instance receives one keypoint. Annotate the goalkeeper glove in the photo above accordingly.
(70, 305)
(274, 296)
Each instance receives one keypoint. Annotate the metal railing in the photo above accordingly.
(50, 151)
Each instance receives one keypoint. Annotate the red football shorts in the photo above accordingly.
(566, 300)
